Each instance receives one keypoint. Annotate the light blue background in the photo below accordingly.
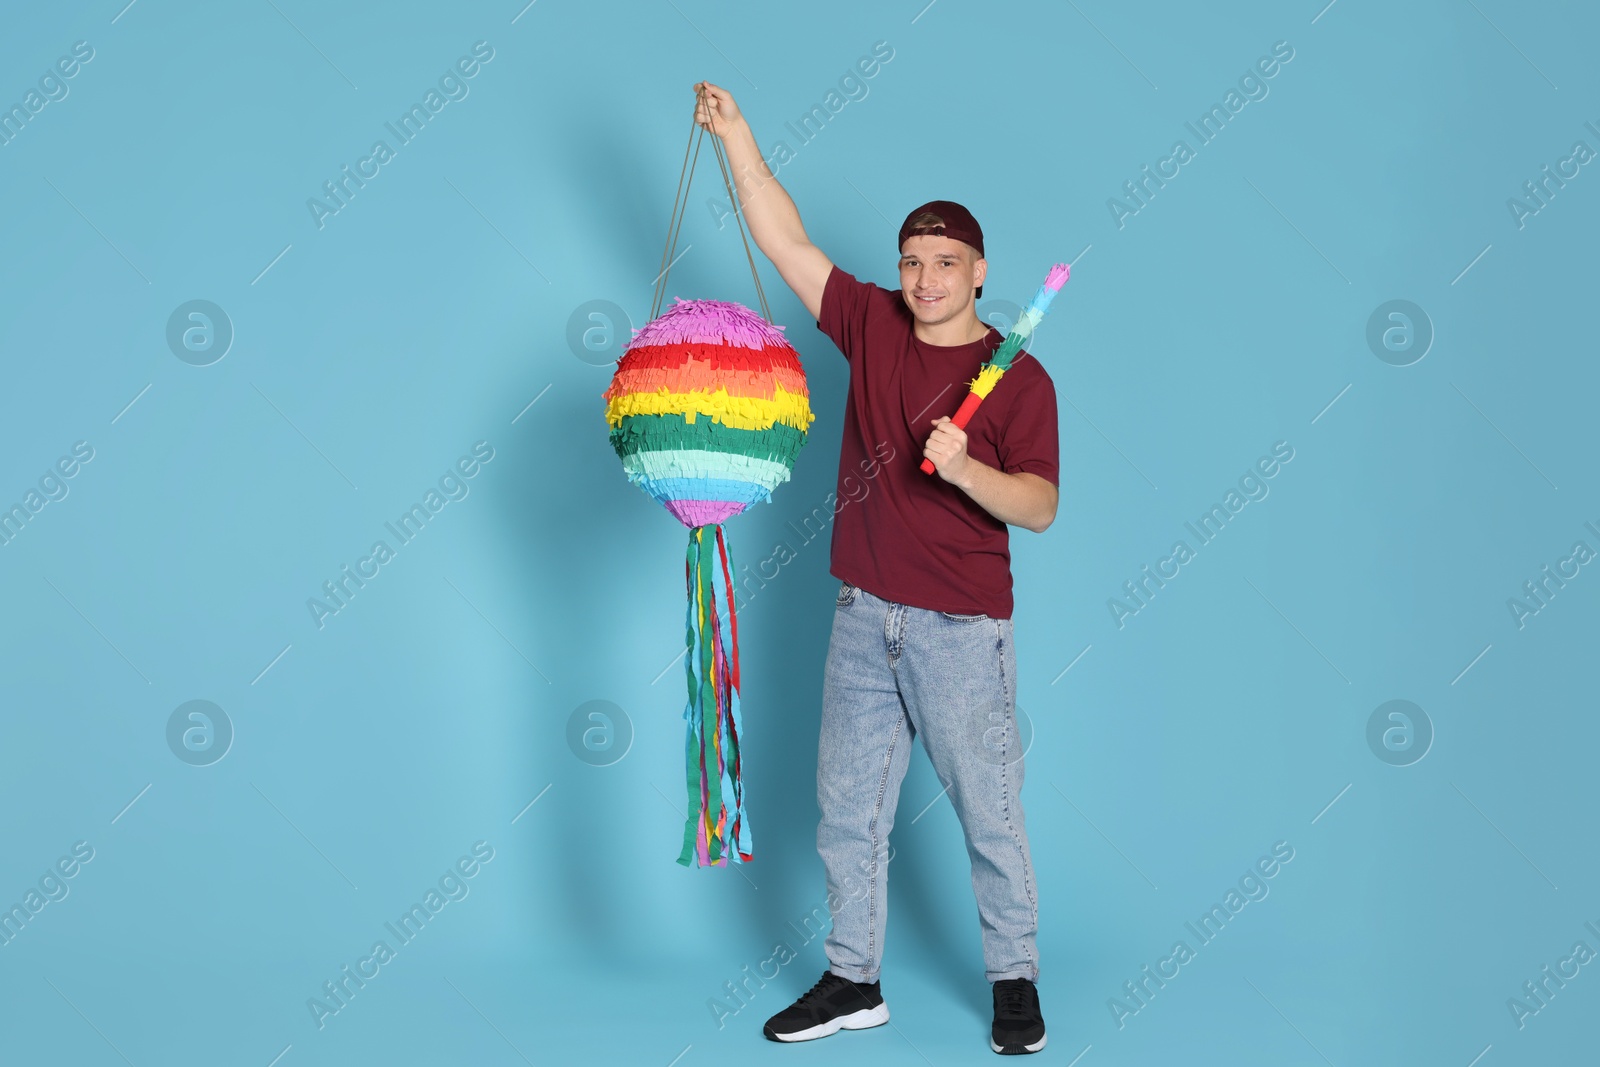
(432, 310)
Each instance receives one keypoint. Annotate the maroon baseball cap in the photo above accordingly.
(944, 218)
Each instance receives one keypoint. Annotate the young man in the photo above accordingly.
(922, 632)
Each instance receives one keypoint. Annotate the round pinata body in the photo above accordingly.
(708, 409)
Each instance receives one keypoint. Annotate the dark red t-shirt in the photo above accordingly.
(900, 534)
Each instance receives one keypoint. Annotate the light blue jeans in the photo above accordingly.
(896, 672)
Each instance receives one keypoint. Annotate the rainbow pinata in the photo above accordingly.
(708, 411)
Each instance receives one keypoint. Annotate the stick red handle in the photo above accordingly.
(963, 413)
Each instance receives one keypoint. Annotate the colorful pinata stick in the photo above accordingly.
(991, 371)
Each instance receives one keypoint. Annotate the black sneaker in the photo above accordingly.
(1018, 1027)
(833, 1004)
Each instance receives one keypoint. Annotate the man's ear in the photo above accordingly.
(979, 270)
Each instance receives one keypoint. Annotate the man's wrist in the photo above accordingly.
(970, 474)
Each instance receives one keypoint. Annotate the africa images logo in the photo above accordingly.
(453, 885)
(453, 485)
(411, 122)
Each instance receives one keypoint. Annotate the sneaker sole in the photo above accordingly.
(1017, 1050)
(859, 1020)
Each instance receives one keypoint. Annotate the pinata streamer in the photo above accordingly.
(991, 372)
(708, 410)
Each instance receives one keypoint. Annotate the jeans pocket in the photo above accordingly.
(847, 595)
(952, 616)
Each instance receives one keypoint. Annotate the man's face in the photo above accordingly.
(938, 275)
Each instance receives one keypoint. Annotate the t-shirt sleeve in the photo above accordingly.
(844, 312)
(1029, 437)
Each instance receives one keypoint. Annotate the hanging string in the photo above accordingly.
(675, 222)
(738, 218)
(680, 203)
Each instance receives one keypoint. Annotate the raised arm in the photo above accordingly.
(769, 212)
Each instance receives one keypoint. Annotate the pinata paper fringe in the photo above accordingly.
(656, 433)
(714, 322)
(986, 379)
(742, 412)
(684, 463)
(716, 827)
(743, 371)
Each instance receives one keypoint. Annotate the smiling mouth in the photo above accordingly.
(929, 299)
